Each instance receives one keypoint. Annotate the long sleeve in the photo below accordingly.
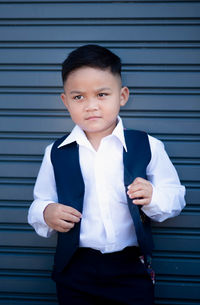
(167, 200)
(168, 194)
(44, 193)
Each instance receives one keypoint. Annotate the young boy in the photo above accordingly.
(98, 187)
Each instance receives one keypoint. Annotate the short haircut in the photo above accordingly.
(91, 55)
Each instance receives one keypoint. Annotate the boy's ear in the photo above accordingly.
(124, 96)
(64, 99)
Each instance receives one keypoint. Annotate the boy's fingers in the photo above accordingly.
(70, 210)
(137, 188)
(140, 191)
(69, 217)
(134, 188)
(64, 226)
(142, 201)
(138, 181)
(138, 194)
(61, 217)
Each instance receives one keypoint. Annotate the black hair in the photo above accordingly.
(91, 55)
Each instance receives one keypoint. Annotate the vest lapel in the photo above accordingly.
(136, 159)
(68, 176)
(70, 190)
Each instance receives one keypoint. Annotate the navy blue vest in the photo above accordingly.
(70, 190)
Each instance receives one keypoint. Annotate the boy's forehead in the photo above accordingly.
(85, 73)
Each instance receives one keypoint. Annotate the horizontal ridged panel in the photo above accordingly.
(25, 238)
(28, 169)
(159, 44)
(26, 147)
(130, 56)
(165, 240)
(105, 33)
(17, 214)
(137, 102)
(52, 124)
(38, 285)
(183, 290)
(100, 10)
(137, 79)
(44, 261)
(16, 189)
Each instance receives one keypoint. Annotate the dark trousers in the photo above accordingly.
(93, 278)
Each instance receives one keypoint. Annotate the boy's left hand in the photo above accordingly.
(140, 191)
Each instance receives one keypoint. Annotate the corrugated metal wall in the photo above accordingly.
(159, 43)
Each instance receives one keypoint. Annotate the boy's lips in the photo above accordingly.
(93, 117)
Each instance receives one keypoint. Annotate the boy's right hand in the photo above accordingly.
(60, 217)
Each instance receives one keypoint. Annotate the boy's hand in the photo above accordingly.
(140, 191)
(60, 217)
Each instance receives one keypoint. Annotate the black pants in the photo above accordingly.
(94, 278)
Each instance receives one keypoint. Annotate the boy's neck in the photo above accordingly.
(95, 138)
(95, 143)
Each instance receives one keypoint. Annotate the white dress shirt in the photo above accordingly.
(106, 223)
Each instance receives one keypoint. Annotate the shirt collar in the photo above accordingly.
(119, 132)
(78, 135)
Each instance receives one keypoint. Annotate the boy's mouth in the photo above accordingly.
(93, 117)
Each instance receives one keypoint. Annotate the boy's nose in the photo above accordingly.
(92, 104)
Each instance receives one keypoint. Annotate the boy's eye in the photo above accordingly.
(78, 97)
(102, 94)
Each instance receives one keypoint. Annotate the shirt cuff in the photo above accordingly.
(172, 199)
(151, 209)
(36, 218)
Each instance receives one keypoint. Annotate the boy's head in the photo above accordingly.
(94, 56)
(93, 93)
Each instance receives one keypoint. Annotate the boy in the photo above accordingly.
(98, 187)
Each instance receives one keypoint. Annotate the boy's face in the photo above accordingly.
(93, 98)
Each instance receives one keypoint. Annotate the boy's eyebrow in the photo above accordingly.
(104, 89)
(97, 90)
(75, 92)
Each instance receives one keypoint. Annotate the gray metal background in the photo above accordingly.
(158, 42)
